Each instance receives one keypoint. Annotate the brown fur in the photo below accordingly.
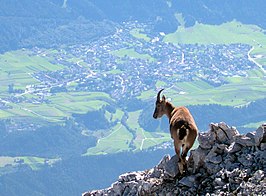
(183, 128)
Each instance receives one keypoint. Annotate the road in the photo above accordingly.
(252, 60)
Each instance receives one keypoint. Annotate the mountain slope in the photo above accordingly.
(50, 23)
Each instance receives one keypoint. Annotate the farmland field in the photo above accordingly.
(35, 163)
(21, 100)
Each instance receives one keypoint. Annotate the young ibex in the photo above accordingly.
(182, 127)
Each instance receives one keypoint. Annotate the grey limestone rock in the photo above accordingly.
(163, 161)
(118, 188)
(216, 159)
(155, 173)
(243, 140)
(171, 168)
(234, 147)
(224, 133)
(206, 140)
(133, 176)
(212, 168)
(225, 163)
(198, 156)
(260, 135)
(188, 181)
(263, 146)
(213, 156)
(219, 182)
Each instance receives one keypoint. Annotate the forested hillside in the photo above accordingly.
(49, 23)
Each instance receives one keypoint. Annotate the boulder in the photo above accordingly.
(260, 135)
(225, 163)
(206, 140)
(133, 176)
(224, 133)
(171, 168)
(163, 161)
(155, 173)
(198, 158)
(188, 181)
(118, 188)
(234, 147)
(212, 168)
(263, 146)
(243, 140)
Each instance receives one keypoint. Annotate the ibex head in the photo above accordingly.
(159, 106)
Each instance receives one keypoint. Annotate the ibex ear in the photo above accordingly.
(163, 98)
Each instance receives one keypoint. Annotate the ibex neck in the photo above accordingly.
(169, 109)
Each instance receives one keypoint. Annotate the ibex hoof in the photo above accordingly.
(181, 167)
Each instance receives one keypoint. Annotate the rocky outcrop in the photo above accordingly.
(224, 162)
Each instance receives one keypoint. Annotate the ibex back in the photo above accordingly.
(182, 127)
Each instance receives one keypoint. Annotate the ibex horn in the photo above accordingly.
(159, 94)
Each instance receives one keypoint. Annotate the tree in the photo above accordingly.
(11, 88)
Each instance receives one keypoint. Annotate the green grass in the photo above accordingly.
(117, 141)
(20, 64)
(152, 140)
(254, 125)
(5, 114)
(35, 163)
(119, 138)
(226, 33)
(117, 116)
(160, 84)
(136, 33)
(79, 102)
(143, 137)
(147, 95)
(239, 91)
(6, 160)
(62, 105)
(16, 68)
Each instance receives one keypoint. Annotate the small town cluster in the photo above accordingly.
(124, 65)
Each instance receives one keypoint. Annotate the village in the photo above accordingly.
(124, 65)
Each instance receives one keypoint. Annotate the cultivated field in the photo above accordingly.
(17, 69)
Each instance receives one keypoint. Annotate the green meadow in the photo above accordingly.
(137, 33)
(61, 105)
(119, 138)
(238, 91)
(35, 163)
(144, 139)
(16, 68)
(226, 33)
